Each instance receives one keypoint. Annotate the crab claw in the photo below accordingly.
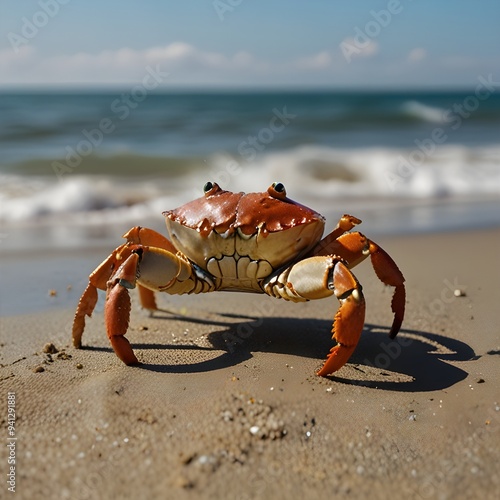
(97, 280)
(117, 315)
(354, 248)
(117, 309)
(349, 320)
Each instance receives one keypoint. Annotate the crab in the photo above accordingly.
(256, 242)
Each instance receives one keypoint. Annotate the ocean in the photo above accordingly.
(78, 169)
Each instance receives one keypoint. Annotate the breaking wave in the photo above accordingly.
(318, 176)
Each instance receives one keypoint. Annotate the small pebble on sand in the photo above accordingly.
(50, 348)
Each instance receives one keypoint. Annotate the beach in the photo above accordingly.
(385, 115)
(227, 404)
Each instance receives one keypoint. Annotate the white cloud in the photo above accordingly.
(184, 63)
(116, 66)
(189, 65)
(318, 61)
(417, 54)
(10, 58)
(351, 47)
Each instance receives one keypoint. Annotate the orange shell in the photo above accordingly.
(225, 212)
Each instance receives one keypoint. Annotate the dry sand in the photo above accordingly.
(227, 404)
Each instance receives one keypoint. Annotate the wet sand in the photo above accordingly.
(227, 403)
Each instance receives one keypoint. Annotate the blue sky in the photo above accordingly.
(249, 43)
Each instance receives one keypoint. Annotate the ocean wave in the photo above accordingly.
(423, 112)
(187, 124)
(320, 177)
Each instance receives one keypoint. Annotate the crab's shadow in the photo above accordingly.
(414, 361)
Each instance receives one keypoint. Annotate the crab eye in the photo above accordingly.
(278, 187)
(210, 188)
(277, 190)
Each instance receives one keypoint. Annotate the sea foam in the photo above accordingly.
(423, 112)
(318, 176)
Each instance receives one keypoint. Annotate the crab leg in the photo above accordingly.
(144, 236)
(147, 298)
(354, 248)
(388, 272)
(97, 279)
(345, 224)
(318, 277)
(86, 306)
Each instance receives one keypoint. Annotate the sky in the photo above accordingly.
(233, 44)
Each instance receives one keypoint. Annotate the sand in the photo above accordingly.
(227, 404)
